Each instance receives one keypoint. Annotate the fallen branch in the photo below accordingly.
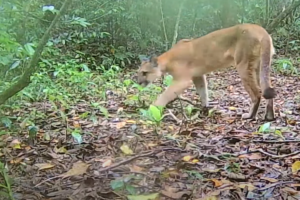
(275, 184)
(186, 100)
(275, 142)
(271, 155)
(136, 157)
(182, 110)
(173, 116)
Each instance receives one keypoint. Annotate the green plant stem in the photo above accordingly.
(7, 187)
(24, 81)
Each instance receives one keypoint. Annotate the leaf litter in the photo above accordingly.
(107, 151)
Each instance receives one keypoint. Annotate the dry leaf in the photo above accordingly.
(107, 163)
(60, 150)
(27, 148)
(76, 124)
(235, 176)
(195, 160)
(295, 167)
(217, 182)
(121, 125)
(232, 108)
(152, 145)
(186, 158)
(131, 122)
(15, 144)
(125, 149)
(272, 180)
(290, 190)
(16, 160)
(120, 110)
(252, 156)
(42, 166)
(78, 168)
(249, 185)
(135, 168)
(174, 193)
(214, 194)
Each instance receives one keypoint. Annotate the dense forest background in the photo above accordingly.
(65, 74)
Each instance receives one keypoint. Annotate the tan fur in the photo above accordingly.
(248, 47)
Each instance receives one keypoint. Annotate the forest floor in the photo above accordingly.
(210, 157)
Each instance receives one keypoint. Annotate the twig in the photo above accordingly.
(275, 142)
(44, 181)
(182, 109)
(275, 184)
(272, 155)
(195, 116)
(163, 23)
(186, 100)
(177, 24)
(135, 157)
(174, 117)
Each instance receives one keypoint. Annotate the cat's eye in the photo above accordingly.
(144, 73)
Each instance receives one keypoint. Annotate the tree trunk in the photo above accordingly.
(228, 13)
(276, 22)
(32, 66)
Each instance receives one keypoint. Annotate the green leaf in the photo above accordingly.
(265, 127)
(139, 87)
(131, 189)
(32, 131)
(189, 109)
(143, 197)
(133, 97)
(155, 113)
(77, 136)
(168, 80)
(116, 184)
(211, 112)
(47, 136)
(104, 111)
(127, 82)
(15, 65)
(144, 112)
(6, 121)
(29, 49)
(279, 133)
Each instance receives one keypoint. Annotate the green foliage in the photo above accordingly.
(194, 174)
(154, 114)
(232, 167)
(265, 127)
(77, 136)
(7, 192)
(6, 121)
(168, 80)
(285, 66)
(125, 183)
